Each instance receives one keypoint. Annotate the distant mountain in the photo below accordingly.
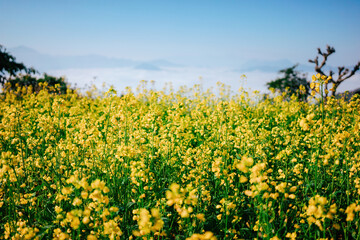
(163, 63)
(265, 66)
(46, 62)
(147, 66)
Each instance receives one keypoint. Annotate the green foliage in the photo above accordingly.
(12, 79)
(177, 166)
(290, 84)
(9, 66)
(54, 84)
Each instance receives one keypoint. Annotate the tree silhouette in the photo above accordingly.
(343, 73)
(290, 82)
(8, 66)
(10, 78)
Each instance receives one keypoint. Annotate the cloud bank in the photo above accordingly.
(124, 77)
(84, 71)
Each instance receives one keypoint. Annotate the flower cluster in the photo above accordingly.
(316, 211)
(148, 222)
(317, 82)
(186, 164)
(85, 207)
(183, 200)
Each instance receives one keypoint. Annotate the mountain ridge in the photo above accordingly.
(46, 62)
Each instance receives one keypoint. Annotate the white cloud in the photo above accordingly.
(177, 76)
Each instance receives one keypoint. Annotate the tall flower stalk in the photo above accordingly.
(317, 85)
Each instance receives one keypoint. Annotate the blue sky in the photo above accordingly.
(234, 30)
(199, 33)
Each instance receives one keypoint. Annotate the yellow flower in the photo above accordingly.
(112, 229)
(350, 212)
(87, 211)
(244, 164)
(206, 236)
(201, 217)
(303, 124)
(312, 85)
(86, 220)
(58, 234)
(241, 166)
(66, 190)
(173, 196)
(75, 222)
(84, 194)
(281, 187)
(184, 213)
(58, 209)
(98, 184)
(243, 179)
(91, 237)
(248, 161)
(148, 222)
(292, 196)
(114, 209)
(292, 236)
(77, 202)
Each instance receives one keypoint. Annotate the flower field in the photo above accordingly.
(178, 165)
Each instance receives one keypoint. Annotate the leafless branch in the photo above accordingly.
(318, 68)
(343, 73)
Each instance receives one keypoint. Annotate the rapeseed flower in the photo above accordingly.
(95, 161)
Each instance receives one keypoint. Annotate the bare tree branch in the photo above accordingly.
(343, 73)
(342, 76)
(318, 68)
